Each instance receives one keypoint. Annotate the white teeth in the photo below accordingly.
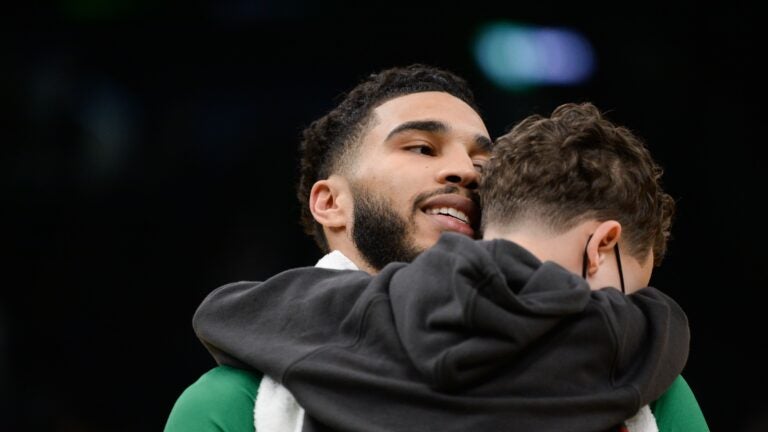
(458, 214)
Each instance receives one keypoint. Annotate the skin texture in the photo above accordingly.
(422, 151)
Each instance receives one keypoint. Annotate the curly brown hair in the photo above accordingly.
(573, 166)
(329, 143)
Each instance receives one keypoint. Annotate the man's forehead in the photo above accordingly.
(438, 107)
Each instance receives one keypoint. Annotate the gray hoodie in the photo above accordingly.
(472, 336)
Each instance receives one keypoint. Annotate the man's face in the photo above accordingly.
(416, 174)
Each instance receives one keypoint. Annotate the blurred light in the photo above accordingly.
(518, 57)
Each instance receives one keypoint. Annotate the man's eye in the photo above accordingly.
(422, 149)
(479, 165)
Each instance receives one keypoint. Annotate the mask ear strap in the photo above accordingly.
(618, 264)
(586, 258)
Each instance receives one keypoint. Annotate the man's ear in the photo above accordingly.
(601, 244)
(330, 202)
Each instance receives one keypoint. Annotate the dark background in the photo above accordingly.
(149, 156)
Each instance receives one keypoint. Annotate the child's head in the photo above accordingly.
(573, 166)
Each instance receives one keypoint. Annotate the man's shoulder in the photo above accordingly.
(677, 410)
(222, 399)
(222, 380)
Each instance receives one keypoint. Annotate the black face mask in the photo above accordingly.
(618, 263)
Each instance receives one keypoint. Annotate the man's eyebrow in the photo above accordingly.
(482, 142)
(418, 125)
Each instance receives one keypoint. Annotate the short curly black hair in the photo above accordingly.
(328, 142)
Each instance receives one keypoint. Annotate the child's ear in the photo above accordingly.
(330, 202)
(602, 242)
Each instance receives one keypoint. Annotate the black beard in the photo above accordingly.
(379, 233)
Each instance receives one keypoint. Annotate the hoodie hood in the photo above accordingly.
(459, 333)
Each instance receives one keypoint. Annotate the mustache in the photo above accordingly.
(422, 197)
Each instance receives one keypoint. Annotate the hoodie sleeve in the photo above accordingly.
(651, 337)
(269, 325)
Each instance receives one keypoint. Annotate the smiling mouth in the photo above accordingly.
(449, 211)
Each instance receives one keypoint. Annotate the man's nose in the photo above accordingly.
(460, 170)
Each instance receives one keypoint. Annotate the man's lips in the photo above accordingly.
(453, 212)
